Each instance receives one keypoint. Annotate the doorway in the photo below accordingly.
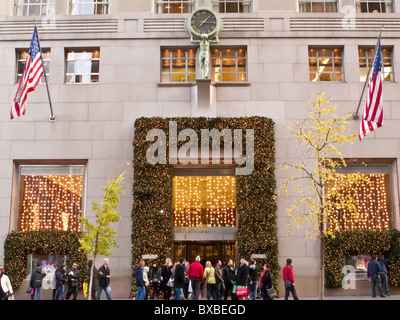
(208, 251)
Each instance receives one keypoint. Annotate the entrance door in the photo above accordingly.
(208, 251)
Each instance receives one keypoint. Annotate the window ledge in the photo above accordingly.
(176, 84)
(231, 84)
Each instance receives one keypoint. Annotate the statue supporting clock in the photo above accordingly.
(203, 26)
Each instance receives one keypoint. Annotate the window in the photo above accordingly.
(178, 65)
(229, 65)
(318, 6)
(228, 6)
(372, 197)
(34, 7)
(90, 7)
(83, 66)
(175, 6)
(375, 6)
(365, 58)
(50, 197)
(325, 64)
(204, 201)
(21, 60)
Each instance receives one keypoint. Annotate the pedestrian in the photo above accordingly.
(60, 282)
(228, 275)
(265, 282)
(1, 289)
(146, 280)
(6, 287)
(384, 277)
(36, 282)
(179, 279)
(73, 276)
(195, 274)
(219, 281)
(242, 274)
(140, 286)
(166, 273)
(95, 282)
(373, 272)
(155, 279)
(209, 280)
(104, 280)
(253, 274)
(288, 279)
(186, 285)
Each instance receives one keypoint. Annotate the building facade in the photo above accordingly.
(111, 62)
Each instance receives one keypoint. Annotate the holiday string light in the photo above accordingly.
(371, 199)
(51, 202)
(204, 201)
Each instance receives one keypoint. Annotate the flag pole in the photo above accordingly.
(356, 114)
(52, 116)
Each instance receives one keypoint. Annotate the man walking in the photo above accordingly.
(195, 274)
(179, 279)
(73, 275)
(104, 280)
(373, 272)
(288, 279)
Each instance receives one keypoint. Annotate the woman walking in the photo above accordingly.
(265, 282)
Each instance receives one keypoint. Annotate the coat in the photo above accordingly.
(166, 273)
(139, 277)
(6, 285)
(195, 270)
(155, 274)
(60, 277)
(95, 283)
(179, 278)
(242, 274)
(287, 273)
(36, 278)
(103, 280)
(73, 277)
(228, 274)
(209, 275)
(265, 281)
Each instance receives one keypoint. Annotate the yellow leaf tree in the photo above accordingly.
(320, 136)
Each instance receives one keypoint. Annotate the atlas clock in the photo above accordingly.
(203, 22)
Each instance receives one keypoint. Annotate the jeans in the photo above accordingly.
(178, 293)
(60, 290)
(106, 290)
(37, 292)
(384, 283)
(210, 291)
(141, 292)
(196, 287)
(219, 290)
(292, 290)
(376, 280)
(253, 290)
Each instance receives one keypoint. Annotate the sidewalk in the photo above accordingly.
(378, 298)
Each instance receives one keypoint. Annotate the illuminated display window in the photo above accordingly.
(232, 6)
(34, 7)
(325, 64)
(204, 201)
(50, 197)
(365, 61)
(175, 6)
(375, 6)
(178, 65)
(229, 65)
(79, 7)
(318, 6)
(83, 66)
(372, 198)
(21, 60)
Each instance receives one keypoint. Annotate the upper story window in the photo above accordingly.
(228, 6)
(384, 6)
(326, 64)
(90, 7)
(178, 65)
(21, 60)
(365, 58)
(229, 65)
(175, 6)
(34, 7)
(83, 66)
(318, 5)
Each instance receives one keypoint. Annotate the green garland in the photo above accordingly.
(19, 244)
(357, 242)
(256, 200)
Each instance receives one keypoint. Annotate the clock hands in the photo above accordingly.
(204, 21)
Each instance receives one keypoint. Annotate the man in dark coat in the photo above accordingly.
(104, 280)
(242, 274)
(373, 272)
(228, 275)
(140, 286)
(179, 278)
(36, 281)
(73, 275)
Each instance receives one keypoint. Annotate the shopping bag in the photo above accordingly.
(85, 289)
(242, 292)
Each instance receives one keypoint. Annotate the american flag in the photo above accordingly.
(33, 71)
(373, 109)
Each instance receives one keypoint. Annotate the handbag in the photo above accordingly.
(170, 282)
(288, 283)
(242, 292)
(271, 293)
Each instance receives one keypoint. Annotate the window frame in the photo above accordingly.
(20, 6)
(312, 2)
(106, 6)
(382, 4)
(240, 4)
(91, 74)
(221, 58)
(368, 61)
(331, 57)
(46, 53)
(160, 5)
(186, 58)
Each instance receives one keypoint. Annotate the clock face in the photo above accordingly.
(204, 21)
